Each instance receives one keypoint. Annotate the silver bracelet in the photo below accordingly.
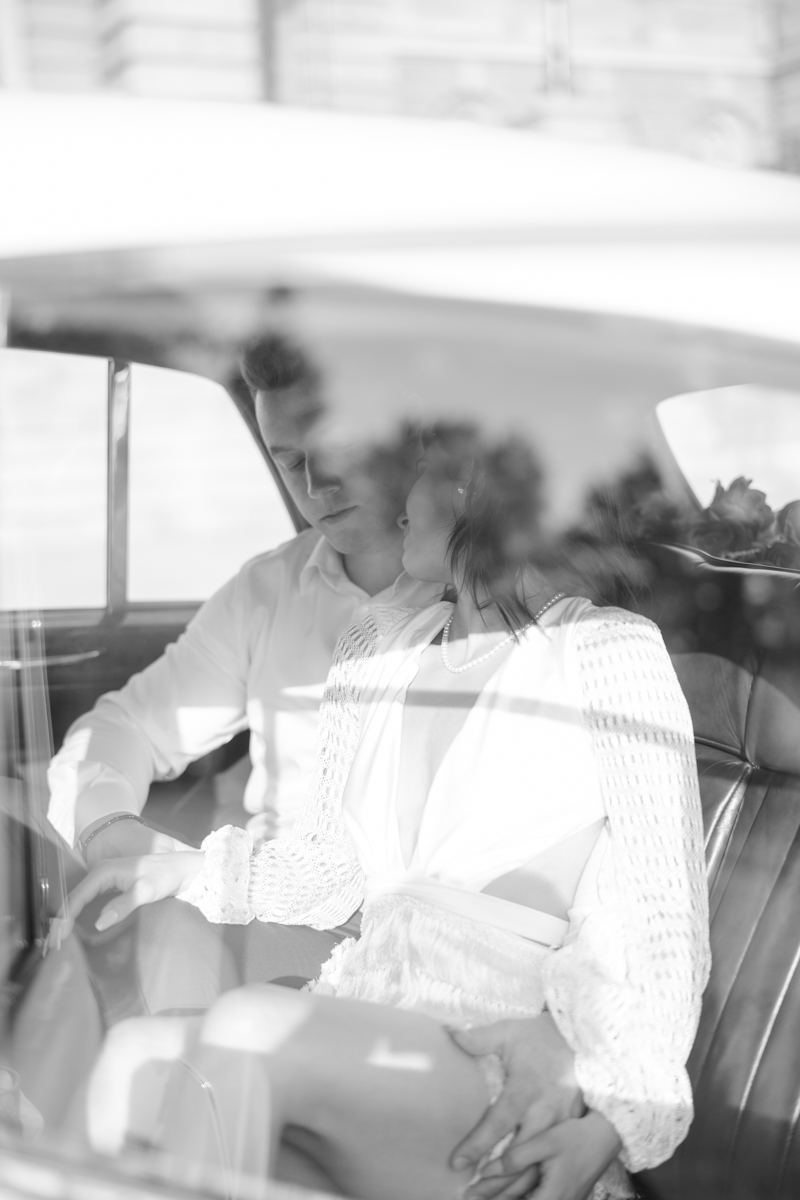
(111, 821)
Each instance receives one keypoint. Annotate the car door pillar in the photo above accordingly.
(119, 393)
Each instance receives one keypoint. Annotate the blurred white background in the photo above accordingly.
(713, 79)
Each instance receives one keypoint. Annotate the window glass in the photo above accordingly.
(748, 430)
(201, 499)
(52, 480)
(738, 449)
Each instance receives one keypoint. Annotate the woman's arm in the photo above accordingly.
(625, 989)
(307, 880)
(291, 882)
(313, 878)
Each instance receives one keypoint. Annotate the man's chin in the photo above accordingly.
(344, 537)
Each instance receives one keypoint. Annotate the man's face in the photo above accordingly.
(345, 492)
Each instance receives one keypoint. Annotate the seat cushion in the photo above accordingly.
(745, 1064)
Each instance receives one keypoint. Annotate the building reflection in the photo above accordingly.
(709, 80)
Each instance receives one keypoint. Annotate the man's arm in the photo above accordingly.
(120, 836)
(104, 768)
(185, 704)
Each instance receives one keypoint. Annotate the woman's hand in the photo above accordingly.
(141, 880)
(563, 1163)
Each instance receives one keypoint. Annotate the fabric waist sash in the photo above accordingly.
(527, 922)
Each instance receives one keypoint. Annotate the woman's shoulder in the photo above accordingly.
(607, 624)
(614, 648)
(624, 665)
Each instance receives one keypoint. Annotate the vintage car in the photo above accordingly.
(634, 317)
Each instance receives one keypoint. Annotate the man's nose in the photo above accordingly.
(319, 481)
(402, 521)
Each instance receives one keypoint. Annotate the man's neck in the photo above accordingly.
(373, 571)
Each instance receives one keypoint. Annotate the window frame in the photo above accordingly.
(118, 464)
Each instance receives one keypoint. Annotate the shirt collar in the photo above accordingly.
(325, 564)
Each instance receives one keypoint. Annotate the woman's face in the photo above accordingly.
(432, 507)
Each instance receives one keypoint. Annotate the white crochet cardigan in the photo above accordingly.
(625, 991)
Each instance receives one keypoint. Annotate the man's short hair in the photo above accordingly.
(274, 361)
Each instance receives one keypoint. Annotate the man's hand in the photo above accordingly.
(540, 1088)
(141, 880)
(563, 1163)
(129, 839)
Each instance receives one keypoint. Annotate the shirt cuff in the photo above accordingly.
(83, 793)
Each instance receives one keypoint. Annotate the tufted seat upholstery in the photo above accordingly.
(736, 649)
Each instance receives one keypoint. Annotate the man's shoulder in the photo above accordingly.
(261, 581)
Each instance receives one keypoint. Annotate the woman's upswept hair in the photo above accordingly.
(498, 547)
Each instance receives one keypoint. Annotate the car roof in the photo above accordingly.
(121, 189)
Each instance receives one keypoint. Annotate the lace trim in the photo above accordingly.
(220, 891)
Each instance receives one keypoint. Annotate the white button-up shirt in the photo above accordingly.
(256, 656)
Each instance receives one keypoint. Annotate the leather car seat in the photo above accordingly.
(735, 640)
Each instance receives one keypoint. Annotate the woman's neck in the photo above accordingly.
(469, 618)
(472, 620)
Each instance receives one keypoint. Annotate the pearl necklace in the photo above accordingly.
(483, 657)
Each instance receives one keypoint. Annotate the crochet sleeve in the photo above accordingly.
(625, 988)
(313, 877)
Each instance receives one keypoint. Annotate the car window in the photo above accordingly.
(738, 449)
(201, 499)
(723, 433)
(52, 480)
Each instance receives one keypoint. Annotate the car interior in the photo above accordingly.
(730, 619)
(740, 677)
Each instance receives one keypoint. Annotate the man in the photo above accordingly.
(256, 656)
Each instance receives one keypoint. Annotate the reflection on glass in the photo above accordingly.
(10, 1100)
(739, 450)
(202, 500)
(746, 431)
(52, 480)
(569, 486)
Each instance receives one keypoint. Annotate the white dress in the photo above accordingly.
(518, 778)
(584, 720)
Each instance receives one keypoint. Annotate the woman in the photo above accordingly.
(506, 781)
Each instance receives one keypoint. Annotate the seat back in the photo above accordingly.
(738, 660)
